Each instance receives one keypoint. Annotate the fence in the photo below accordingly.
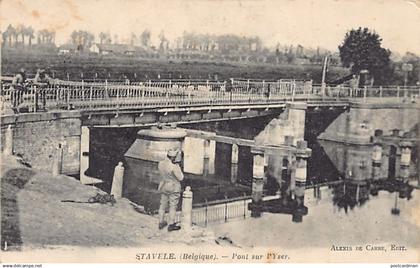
(92, 95)
(280, 87)
(117, 95)
(219, 211)
(381, 92)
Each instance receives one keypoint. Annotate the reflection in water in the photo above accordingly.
(365, 177)
(347, 171)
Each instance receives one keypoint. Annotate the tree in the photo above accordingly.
(145, 38)
(30, 32)
(361, 50)
(10, 33)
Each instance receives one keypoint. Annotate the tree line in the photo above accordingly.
(361, 50)
(14, 37)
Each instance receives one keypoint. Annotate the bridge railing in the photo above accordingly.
(92, 95)
(280, 87)
(396, 92)
(76, 95)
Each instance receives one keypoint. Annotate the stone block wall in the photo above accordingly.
(358, 125)
(36, 137)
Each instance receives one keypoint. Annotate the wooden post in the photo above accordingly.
(117, 181)
(8, 141)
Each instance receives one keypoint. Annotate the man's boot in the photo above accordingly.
(173, 227)
(162, 225)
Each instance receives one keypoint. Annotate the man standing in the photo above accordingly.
(170, 188)
(19, 84)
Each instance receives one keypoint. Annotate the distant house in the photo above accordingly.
(113, 49)
(302, 61)
(66, 49)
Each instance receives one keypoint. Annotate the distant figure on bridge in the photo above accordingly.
(42, 80)
(170, 188)
(354, 85)
(19, 84)
(42, 77)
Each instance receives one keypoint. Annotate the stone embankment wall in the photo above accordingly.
(358, 124)
(37, 136)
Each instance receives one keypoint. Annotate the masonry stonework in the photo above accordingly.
(37, 136)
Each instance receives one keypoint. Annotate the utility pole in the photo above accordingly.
(324, 73)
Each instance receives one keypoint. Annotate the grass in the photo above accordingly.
(116, 67)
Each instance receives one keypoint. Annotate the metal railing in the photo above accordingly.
(381, 92)
(219, 211)
(93, 95)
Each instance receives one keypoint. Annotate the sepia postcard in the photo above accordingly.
(210, 131)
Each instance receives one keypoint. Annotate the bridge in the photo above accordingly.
(132, 104)
(58, 113)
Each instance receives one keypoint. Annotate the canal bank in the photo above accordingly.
(34, 216)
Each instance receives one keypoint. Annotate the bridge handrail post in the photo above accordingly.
(68, 99)
(364, 93)
(90, 97)
(293, 91)
(106, 88)
(398, 92)
(35, 94)
(118, 97)
(142, 94)
(380, 91)
(263, 89)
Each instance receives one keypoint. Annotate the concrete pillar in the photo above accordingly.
(84, 157)
(405, 153)
(405, 160)
(376, 160)
(233, 173)
(357, 193)
(58, 160)
(299, 175)
(210, 154)
(296, 117)
(377, 154)
(187, 199)
(376, 172)
(300, 208)
(8, 141)
(257, 184)
(194, 155)
(117, 181)
(235, 154)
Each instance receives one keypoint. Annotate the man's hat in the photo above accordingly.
(172, 153)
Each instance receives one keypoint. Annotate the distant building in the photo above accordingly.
(114, 49)
(302, 61)
(67, 49)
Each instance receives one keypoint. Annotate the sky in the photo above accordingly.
(310, 23)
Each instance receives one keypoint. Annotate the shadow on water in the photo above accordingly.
(12, 182)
